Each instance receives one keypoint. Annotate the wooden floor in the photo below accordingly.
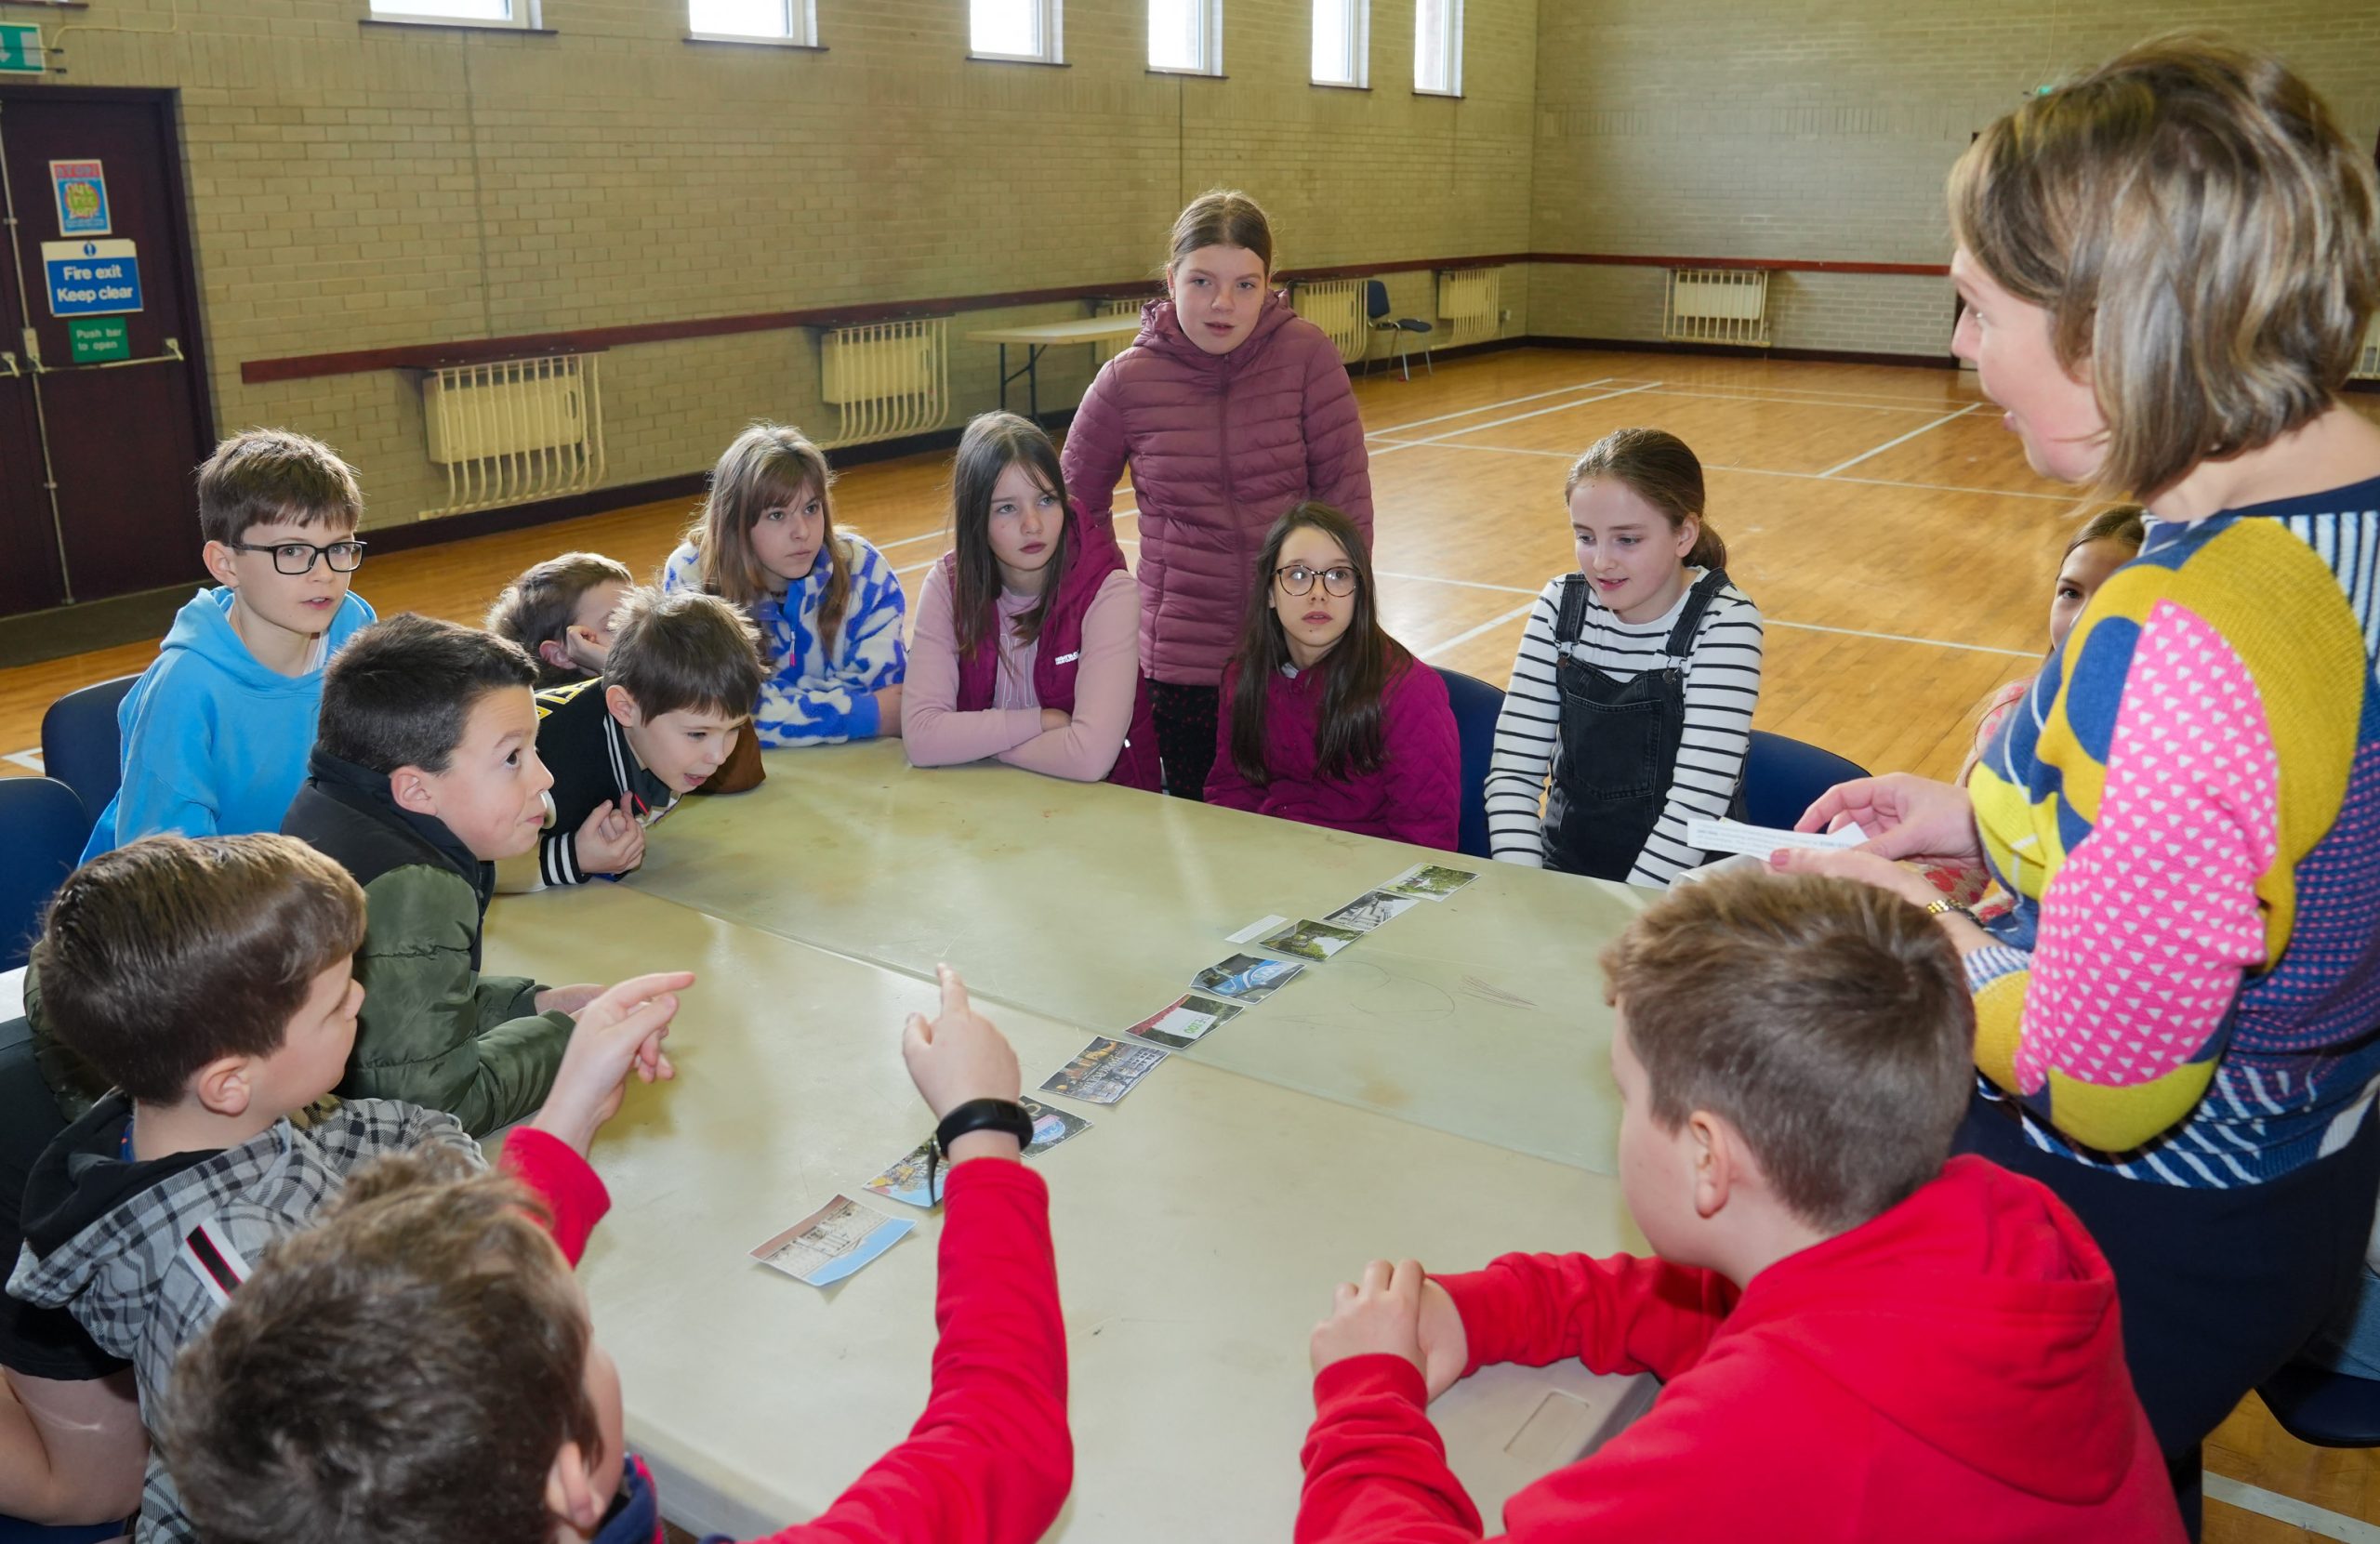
(1884, 523)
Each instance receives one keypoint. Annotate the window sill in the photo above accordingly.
(453, 24)
(1018, 58)
(1337, 86)
(1450, 96)
(757, 42)
(1193, 75)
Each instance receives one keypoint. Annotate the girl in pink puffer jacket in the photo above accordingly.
(1230, 409)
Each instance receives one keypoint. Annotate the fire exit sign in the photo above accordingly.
(20, 51)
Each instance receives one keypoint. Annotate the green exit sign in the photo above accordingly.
(95, 342)
(20, 51)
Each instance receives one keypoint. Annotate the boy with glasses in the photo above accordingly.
(215, 733)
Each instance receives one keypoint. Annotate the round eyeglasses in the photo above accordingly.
(294, 558)
(1298, 579)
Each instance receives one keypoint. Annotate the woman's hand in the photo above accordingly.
(1903, 816)
(1859, 863)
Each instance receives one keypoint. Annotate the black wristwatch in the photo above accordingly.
(984, 1114)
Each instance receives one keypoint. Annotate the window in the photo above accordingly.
(1186, 35)
(1437, 46)
(755, 20)
(1014, 29)
(1343, 42)
(482, 13)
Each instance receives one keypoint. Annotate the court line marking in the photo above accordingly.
(29, 759)
(1922, 428)
(1469, 633)
(2078, 504)
(2289, 1509)
(1490, 407)
(1868, 406)
(1517, 417)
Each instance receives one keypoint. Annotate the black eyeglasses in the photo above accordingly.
(296, 558)
(1298, 579)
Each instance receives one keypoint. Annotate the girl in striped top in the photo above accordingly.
(1634, 686)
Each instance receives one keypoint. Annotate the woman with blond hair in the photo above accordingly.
(2168, 266)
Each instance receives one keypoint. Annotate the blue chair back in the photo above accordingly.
(2324, 1409)
(1476, 706)
(41, 830)
(1784, 777)
(1375, 299)
(82, 747)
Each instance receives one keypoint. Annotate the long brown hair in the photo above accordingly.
(1222, 217)
(994, 442)
(1656, 466)
(1347, 739)
(769, 467)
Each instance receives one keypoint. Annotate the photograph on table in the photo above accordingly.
(1370, 909)
(1315, 941)
(1429, 881)
(832, 1242)
(1180, 1023)
(1050, 1126)
(1103, 1070)
(907, 1180)
(1246, 978)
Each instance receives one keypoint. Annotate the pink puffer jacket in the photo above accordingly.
(1220, 445)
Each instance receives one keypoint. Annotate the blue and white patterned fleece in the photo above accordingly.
(820, 696)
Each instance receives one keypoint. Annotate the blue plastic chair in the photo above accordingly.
(1783, 777)
(82, 747)
(2324, 1408)
(1476, 706)
(41, 830)
(1404, 327)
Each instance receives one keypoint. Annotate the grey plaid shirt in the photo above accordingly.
(152, 1273)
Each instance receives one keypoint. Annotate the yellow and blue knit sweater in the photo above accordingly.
(2186, 805)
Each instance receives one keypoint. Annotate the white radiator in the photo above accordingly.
(2367, 362)
(1468, 300)
(1718, 305)
(1337, 307)
(513, 431)
(889, 379)
(1108, 349)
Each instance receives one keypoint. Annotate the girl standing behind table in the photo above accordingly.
(1229, 408)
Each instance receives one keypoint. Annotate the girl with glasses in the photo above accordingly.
(1328, 720)
(1636, 677)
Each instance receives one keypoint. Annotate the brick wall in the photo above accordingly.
(1824, 129)
(360, 186)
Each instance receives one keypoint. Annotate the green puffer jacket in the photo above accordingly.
(432, 1031)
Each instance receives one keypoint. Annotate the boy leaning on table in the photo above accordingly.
(422, 1366)
(1859, 1341)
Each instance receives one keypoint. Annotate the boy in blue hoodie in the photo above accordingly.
(215, 733)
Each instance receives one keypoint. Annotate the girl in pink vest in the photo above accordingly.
(1230, 409)
(1328, 720)
(1026, 647)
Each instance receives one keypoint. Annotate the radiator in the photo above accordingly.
(1337, 307)
(1468, 300)
(515, 430)
(2367, 362)
(1108, 349)
(889, 379)
(1718, 305)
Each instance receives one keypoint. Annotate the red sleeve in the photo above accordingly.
(1423, 760)
(1338, 465)
(1094, 455)
(1626, 1313)
(990, 1461)
(1225, 785)
(574, 1196)
(1375, 1468)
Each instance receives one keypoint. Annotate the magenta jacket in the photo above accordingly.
(1417, 794)
(1220, 445)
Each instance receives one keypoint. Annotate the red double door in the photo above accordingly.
(104, 408)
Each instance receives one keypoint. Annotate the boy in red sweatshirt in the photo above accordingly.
(1860, 1342)
(422, 1366)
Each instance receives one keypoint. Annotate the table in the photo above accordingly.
(1482, 1015)
(1047, 335)
(1199, 1226)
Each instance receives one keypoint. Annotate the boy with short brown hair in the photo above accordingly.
(1857, 1340)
